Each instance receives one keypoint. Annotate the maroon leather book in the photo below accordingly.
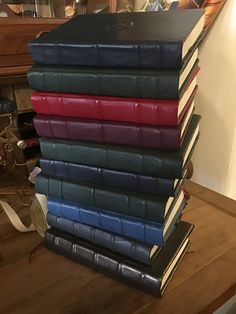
(113, 132)
(131, 110)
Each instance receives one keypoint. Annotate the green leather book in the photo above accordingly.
(154, 162)
(113, 82)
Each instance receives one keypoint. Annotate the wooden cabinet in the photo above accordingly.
(15, 34)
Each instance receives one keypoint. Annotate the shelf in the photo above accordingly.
(13, 74)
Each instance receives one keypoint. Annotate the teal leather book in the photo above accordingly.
(153, 162)
(148, 207)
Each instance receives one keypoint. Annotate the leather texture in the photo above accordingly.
(138, 251)
(136, 40)
(101, 176)
(110, 132)
(108, 81)
(128, 226)
(132, 110)
(163, 164)
(149, 207)
(147, 278)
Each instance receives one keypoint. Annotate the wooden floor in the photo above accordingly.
(51, 284)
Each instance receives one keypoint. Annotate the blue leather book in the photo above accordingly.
(138, 251)
(112, 178)
(139, 229)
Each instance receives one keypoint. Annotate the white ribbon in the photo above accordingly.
(14, 218)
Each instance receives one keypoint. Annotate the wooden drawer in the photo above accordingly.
(15, 34)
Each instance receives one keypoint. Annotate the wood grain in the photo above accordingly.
(15, 34)
(217, 199)
(52, 284)
(19, 60)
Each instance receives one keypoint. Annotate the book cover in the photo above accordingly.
(111, 82)
(152, 279)
(149, 207)
(137, 250)
(106, 177)
(121, 109)
(113, 132)
(158, 40)
(134, 228)
(151, 162)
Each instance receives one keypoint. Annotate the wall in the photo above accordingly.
(215, 156)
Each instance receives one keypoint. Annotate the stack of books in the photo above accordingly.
(115, 101)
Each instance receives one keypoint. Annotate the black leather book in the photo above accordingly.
(112, 82)
(148, 207)
(138, 251)
(153, 162)
(158, 40)
(106, 177)
(152, 279)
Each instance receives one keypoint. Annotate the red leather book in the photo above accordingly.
(132, 110)
(163, 137)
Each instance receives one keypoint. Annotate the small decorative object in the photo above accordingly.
(23, 144)
(16, 8)
(125, 6)
(30, 13)
(7, 105)
(69, 11)
(5, 11)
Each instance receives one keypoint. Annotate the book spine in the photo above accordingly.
(150, 208)
(108, 84)
(163, 56)
(102, 263)
(102, 176)
(137, 251)
(126, 160)
(153, 112)
(137, 229)
(108, 133)
(36, 80)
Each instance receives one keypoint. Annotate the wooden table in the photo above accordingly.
(51, 284)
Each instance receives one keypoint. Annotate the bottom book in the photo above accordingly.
(152, 279)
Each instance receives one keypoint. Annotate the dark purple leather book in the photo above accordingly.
(113, 132)
(148, 161)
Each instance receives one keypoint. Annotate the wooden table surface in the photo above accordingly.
(51, 284)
